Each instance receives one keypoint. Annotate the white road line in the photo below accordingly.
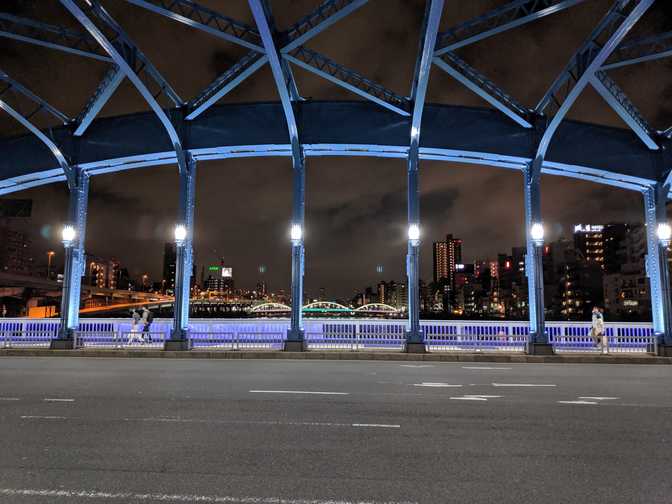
(55, 399)
(577, 402)
(9, 399)
(486, 368)
(379, 426)
(46, 417)
(434, 384)
(524, 385)
(476, 397)
(599, 398)
(296, 392)
(416, 365)
(262, 422)
(130, 496)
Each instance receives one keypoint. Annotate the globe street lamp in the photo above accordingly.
(414, 234)
(664, 232)
(68, 235)
(537, 233)
(296, 234)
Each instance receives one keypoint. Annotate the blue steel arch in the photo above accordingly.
(601, 154)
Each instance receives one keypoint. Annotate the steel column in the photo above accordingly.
(296, 333)
(184, 253)
(295, 336)
(414, 337)
(75, 261)
(413, 333)
(534, 267)
(656, 263)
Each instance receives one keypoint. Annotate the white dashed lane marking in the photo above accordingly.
(9, 399)
(56, 399)
(308, 392)
(599, 398)
(524, 385)
(484, 368)
(436, 385)
(475, 397)
(577, 402)
(43, 417)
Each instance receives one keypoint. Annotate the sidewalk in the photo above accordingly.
(575, 358)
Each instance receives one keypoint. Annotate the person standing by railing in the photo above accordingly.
(135, 328)
(147, 319)
(597, 329)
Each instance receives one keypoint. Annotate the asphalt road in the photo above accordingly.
(155, 430)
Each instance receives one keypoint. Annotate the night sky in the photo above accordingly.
(355, 207)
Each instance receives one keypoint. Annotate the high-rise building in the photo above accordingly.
(169, 265)
(589, 241)
(440, 261)
(103, 273)
(15, 243)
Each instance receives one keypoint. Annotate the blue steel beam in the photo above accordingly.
(499, 20)
(42, 105)
(476, 82)
(25, 122)
(75, 261)
(621, 104)
(126, 67)
(132, 54)
(414, 336)
(200, 17)
(286, 68)
(184, 257)
(346, 78)
(640, 50)
(51, 36)
(225, 83)
(104, 92)
(328, 13)
(657, 266)
(585, 62)
(295, 336)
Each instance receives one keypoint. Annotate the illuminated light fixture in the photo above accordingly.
(664, 233)
(537, 233)
(414, 233)
(180, 233)
(296, 233)
(68, 235)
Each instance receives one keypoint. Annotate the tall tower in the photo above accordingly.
(440, 261)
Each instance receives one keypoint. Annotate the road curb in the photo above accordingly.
(350, 356)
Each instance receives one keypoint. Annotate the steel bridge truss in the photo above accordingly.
(103, 39)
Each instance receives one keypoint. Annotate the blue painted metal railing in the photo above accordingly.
(334, 334)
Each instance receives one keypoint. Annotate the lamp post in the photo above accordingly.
(50, 256)
(68, 238)
(179, 338)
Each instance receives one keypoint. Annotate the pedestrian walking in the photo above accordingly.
(147, 319)
(135, 334)
(597, 329)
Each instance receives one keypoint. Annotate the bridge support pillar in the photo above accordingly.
(415, 340)
(534, 266)
(657, 268)
(295, 336)
(74, 237)
(184, 234)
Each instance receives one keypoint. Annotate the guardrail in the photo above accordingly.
(336, 334)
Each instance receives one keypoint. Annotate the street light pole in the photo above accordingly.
(50, 255)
